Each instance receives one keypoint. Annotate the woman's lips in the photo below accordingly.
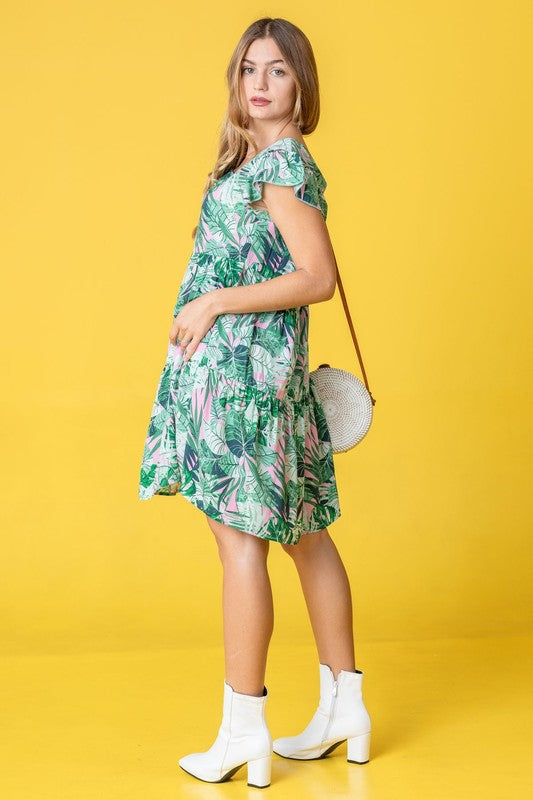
(259, 101)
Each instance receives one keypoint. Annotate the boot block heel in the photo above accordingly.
(259, 772)
(359, 748)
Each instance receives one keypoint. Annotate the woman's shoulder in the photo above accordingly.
(288, 162)
(289, 155)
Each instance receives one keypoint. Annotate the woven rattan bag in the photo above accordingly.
(346, 401)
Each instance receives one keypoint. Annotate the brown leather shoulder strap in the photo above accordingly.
(352, 331)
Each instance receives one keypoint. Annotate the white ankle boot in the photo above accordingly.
(341, 716)
(243, 737)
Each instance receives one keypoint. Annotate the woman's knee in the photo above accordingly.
(307, 543)
(234, 543)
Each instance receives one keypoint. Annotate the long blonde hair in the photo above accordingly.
(235, 138)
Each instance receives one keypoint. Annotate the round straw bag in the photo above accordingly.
(346, 401)
(347, 405)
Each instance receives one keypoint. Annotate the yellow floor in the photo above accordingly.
(451, 719)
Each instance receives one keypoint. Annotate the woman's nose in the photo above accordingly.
(260, 82)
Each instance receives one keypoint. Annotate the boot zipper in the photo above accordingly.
(331, 710)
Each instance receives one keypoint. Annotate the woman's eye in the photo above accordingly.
(276, 69)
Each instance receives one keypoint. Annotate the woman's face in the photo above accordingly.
(265, 75)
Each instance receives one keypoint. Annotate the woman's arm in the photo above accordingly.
(305, 233)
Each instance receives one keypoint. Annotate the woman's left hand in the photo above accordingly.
(192, 323)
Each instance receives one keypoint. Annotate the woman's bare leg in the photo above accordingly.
(248, 609)
(328, 598)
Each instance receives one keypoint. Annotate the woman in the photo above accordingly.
(237, 427)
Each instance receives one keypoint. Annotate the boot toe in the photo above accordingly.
(283, 746)
(197, 764)
(291, 747)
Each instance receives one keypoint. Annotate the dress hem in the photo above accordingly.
(334, 515)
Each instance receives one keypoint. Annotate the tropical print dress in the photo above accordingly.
(238, 429)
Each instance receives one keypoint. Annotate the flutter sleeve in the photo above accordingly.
(285, 165)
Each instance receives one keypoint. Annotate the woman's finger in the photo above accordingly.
(191, 348)
(176, 334)
(173, 335)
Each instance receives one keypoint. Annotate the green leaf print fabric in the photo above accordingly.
(238, 430)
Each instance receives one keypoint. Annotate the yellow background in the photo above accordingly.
(111, 118)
